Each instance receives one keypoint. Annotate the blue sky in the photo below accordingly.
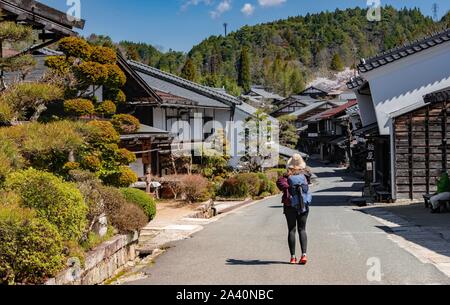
(180, 24)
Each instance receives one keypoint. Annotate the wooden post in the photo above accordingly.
(427, 150)
(410, 156)
(444, 138)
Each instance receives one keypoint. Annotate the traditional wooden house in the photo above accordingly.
(313, 109)
(421, 145)
(262, 95)
(291, 105)
(390, 90)
(206, 111)
(329, 132)
(314, 92)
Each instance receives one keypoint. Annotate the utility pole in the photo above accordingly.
(435, 10)
(225, 26)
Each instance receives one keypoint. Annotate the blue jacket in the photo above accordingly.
(307, 197)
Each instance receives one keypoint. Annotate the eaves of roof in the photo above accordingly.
(199, 89)
(406, 50)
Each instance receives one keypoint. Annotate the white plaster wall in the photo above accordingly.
(367, 110)
(159, 118)
(405, 82)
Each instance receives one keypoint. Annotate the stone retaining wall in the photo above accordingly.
(205, 211)
(100, 264)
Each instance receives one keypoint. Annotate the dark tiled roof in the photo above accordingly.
(314, 90)
(355, 82)
(438, 97)
(368, 130)
(400, 52)
(181, 82)
(335, 111)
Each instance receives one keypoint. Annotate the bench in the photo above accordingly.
(444, 205)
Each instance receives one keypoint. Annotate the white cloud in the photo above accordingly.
(188, 3)
(269, 3)
(248, 9)
(223, 7)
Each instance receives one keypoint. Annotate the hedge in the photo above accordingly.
(79, 107)
(142, 199)
(59, 202)
(233, 188)
(125, 123)
(106, 108)
(31, 249)
(126, 217)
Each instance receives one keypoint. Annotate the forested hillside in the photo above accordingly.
(285, 54)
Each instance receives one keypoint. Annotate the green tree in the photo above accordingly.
(244, 70)
(86, 68)
(296, 82)
(288, 132)
(336, 63)
(10, 32)
(21, 98)
(189, 71)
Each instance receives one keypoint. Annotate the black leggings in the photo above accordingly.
(296, 221)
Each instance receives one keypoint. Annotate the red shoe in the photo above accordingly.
(304, 260)
(293, 261)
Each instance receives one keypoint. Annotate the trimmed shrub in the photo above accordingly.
(252, 181)
(116, 77)
(125, 123)
(10, 199)
(107, 108)
(69, 166)
(103, 55)
(77, 176)
(234, 188)
(120, 97)
(91, 73)
(273, 189)
(122, 178)
(92, 163)
(30, 247)
(125, 156)
(102, 132)
(275, 173)
(75, 47)
(142, 199)
(79, 107)
(59, 202)
(195, 188)
(59, 64)
(264, 183)
(126, 217)
(10, 158)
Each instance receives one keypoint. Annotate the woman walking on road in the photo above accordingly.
(296, 200)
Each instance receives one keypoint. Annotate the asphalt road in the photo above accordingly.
(249, 246)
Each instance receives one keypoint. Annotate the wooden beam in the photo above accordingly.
(39, 16)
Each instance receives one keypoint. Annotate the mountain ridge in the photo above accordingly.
(287, 54)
